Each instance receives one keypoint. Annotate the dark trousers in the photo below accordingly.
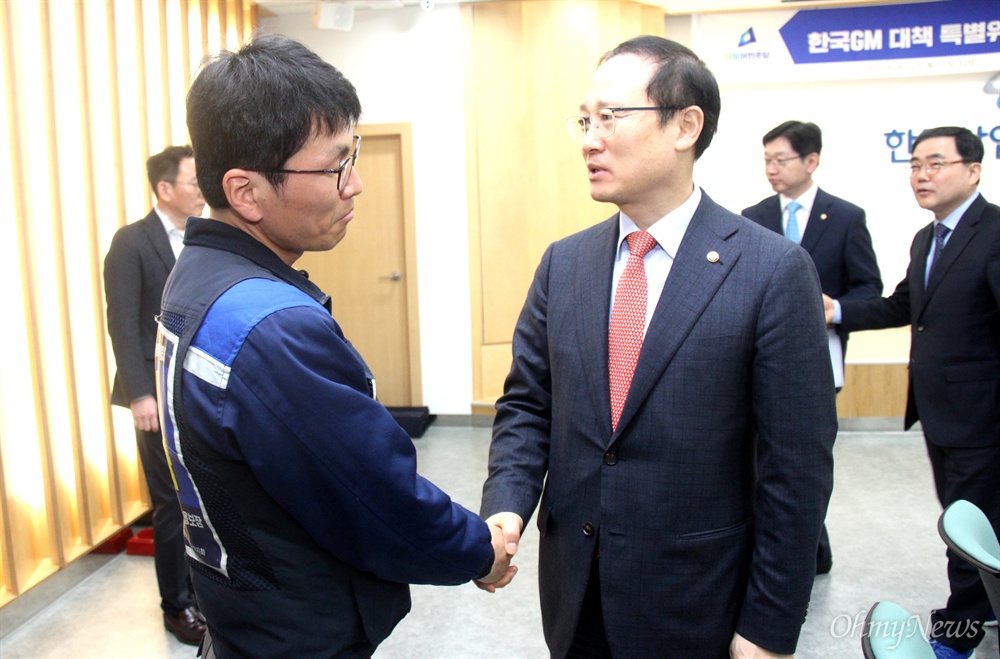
(590, 640)
(824, 555)
(172, 574)
(970, 474)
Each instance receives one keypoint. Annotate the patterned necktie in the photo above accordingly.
(792, 228)
(628, 322)
(940, 233)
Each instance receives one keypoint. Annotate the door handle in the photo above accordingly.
(395, 276)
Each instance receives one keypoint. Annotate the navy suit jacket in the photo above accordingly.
(954, 383)
(135, 272)
(838, 241)
(709, 497)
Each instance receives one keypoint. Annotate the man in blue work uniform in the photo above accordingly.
(304, 515)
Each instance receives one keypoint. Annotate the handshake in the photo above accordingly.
(506, 531)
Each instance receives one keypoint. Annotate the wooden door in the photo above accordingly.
(371, 275)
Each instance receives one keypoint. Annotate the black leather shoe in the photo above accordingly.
(188, 625)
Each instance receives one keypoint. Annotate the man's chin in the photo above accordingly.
(601, 195)
(335, 240)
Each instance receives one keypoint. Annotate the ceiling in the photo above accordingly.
(282, 7)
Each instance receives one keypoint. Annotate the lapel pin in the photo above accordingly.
(823, 216)
(713, 257)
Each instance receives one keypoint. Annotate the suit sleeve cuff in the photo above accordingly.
(487, 569)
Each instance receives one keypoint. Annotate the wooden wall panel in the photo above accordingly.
(78, 113)
(528, 67)
(873, 390)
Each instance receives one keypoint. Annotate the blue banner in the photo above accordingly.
(857, 34)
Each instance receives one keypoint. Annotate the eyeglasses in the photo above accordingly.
(343, 172)
(933, 167)
(193, 183)
(603, 123)
(779, 162)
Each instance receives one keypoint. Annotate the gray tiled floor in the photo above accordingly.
(882, 524)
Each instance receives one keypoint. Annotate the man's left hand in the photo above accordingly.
(741, 648)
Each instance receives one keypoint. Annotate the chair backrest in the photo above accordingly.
(967, 532)
(965, 528)
(891, 631)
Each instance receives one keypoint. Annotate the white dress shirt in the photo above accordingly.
(175, 235)
(806, 200)
(668, 232)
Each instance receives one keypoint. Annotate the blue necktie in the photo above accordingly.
(792, 228)
(940, 233)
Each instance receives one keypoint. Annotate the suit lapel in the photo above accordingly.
(772, 218)
(918, 263)
(159, 239)
(965, 231)
(594, 270)
(817, 221)
(693, 281)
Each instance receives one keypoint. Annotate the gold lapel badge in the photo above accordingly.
(823, 216)
(713, 256)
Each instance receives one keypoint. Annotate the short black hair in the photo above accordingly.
(164, 165)
(804, 136)
(969, 145)
(680, 80)
(255, 108)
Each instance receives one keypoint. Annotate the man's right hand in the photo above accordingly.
(828, 308)
(506, 531)
(145, 415)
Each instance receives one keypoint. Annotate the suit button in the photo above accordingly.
(611, 458)
(588, 529)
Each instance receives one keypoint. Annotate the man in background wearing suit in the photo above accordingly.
(832, 230)
(674, 412)
(951, 300)
(135, 271)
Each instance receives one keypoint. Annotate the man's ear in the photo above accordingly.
(690, 122)
(812, 162)
(976, 169)
(163, 191)
(242, 193)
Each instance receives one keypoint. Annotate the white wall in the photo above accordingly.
(856, 104)
(855, 163)
(407, 67)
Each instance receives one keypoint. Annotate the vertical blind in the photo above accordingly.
(92, 88)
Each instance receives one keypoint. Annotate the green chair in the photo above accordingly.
(891, 631)
(968, 533)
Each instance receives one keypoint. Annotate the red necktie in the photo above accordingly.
(628, 320)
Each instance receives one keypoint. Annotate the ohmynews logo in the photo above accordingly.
(844, 626)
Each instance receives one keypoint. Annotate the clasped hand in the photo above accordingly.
(506, 531)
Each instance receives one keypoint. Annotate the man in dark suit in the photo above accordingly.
(135, 271)
(951, 300)
(832, 230)
(683, 484)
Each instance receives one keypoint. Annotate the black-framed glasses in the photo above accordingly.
(933, 167)
(602, 122)
(343, 172)
(780, 162)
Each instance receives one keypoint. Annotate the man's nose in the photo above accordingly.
(590, 139)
